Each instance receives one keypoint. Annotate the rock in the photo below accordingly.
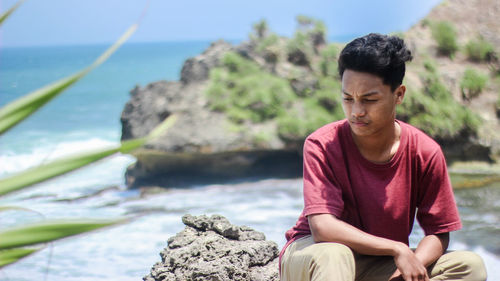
(149, 106)
(211, 248)
(198, 68)
(201, 144)
(166, 169)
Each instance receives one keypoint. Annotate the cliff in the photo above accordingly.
(472, 21)
(245, 110)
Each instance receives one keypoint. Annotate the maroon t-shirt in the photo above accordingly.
(380, 199)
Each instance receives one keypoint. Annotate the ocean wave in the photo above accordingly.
(11, 162)
(107, 172)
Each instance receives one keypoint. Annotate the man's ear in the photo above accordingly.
(400, 93)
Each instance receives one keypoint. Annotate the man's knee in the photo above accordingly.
(331, 253)
(466, 265)
(331, 261)
(319, 261)
(474, 264)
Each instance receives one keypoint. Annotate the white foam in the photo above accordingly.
(101, 174)
(11, 162)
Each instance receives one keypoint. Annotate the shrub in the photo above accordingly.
(434, 110)
(245, 92)
(430, 65)
(261, 29)
(304, 45)
(472, 83)
(399, 34)
(307, 116)
(261, 138)
(269, 48)
(444, 34)
(328, 62)
(310, 113)
(425, 23)
(480, 50)
(318, 33)
(328, 94)
(300, 49)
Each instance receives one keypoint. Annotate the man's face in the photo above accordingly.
(368, 103)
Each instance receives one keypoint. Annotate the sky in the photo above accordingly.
(77, 22)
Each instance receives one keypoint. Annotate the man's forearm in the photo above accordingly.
(431, 247)
(327, 228)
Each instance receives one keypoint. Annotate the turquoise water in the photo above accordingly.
(87, 116)
(92, 107)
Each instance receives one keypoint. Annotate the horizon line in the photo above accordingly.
(341, 38)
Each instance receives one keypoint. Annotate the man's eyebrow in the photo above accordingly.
(363, 95)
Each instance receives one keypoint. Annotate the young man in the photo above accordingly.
(365, 179)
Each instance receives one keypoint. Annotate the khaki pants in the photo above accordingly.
(306, 260)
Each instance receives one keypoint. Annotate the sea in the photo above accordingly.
(87, 116)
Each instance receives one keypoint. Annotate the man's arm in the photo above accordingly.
(327, 228)
(431, 247)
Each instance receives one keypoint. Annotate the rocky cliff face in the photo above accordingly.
(211, 248)
(197, 129)
(471, 19)
(201, 145)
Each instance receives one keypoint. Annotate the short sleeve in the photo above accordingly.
(437, 211)
(321, 194)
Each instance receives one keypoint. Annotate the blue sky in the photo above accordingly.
(73, 22)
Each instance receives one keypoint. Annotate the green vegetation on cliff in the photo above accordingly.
(295, 83)
(480, 50)
(472, 83)
(445, 35)
(434, 110)
(245, 92)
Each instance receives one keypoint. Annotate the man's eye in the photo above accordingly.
(370, 100)
(348, 99)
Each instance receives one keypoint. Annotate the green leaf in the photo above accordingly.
(12, 255)
(5, 15)
(67, 164)
(162, 128)
(18, 110)
(49, 231)
(62, 166)
(15, 208)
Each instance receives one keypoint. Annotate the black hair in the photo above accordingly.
(378, 54)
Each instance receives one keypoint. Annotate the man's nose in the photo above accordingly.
(358, 110)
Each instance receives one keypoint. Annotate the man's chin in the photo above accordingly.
(360, 131)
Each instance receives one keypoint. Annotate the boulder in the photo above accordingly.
(211, 248)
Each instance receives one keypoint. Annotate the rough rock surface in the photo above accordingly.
(201, 144)
(471, 19)
(197, 129)
(211, 248)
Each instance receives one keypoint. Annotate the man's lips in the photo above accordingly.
(359, 123)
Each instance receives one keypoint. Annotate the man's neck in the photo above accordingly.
(381, 147)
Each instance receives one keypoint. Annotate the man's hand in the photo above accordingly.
(396, 276)
(410, 268)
